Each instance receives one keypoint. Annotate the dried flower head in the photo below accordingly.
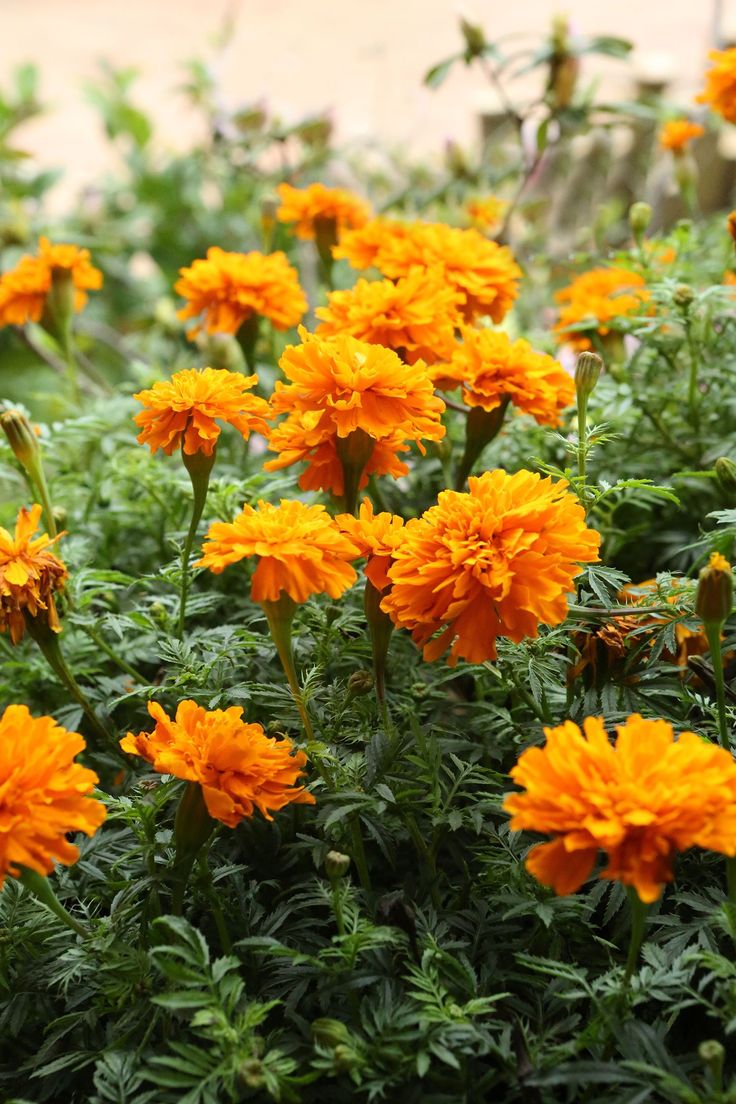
(377, 536)
(492, 369)
(339, 385)
(416, 315)
(677, 134)
(300, 550)
(185, 410)
(43, 793)
(483, 271)
(227, 289)
(497, 561)
(595, 300)
(30, 573)
(239, 768)
(641, 800)
(308, 206)
(720, 84)
(25, 288)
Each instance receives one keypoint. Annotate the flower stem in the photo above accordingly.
(481, 428)
(199, 467)
(39, 886)
(112, 654)
(280, 615)
(638, 923)
(713, 632)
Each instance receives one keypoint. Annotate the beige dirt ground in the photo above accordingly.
(364, 59)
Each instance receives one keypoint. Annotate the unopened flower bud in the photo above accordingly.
(475, 39)
(221, 350)
(588, 368)
(712, 1054)
(725, 470)
(336, 864)
(714, 597)
(640, 215)
(683, 296)
(359, 683)
(21, 438)
(327, 1032)
(164, 314)
(60, 515)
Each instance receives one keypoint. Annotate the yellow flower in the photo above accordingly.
(300, 550)
(227, 289)
(641, 800)
(720, 84)
(24, 289)
(238, 767)
(29, 575)
(186, 408)
(307, 207)
(498, 561)
(43, 793)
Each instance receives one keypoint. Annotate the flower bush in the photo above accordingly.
(328, 687)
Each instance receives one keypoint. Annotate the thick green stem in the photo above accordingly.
(199, 467)
(40, 888)
(247, 337)
(638, 924)
(280, 615)
(354, 452)
(713, 632)
(193, 826)
(481, 428)
(582, 443)
(380, 627)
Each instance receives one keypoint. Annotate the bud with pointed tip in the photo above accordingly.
(475, 39)
(588, 368)
(640, 215)
(714, 596)
(21, 438)
(336, 865)
(725, 470)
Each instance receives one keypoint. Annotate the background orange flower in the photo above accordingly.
(676, 134)
(720, 84)
(597, 298)
(307, 206)
(23, 289)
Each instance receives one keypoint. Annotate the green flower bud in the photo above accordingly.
(475, 39)
(587, 371)
(683, 296)
(640, 215)
(330, 1033)
(221, 350)
(712, 1055)
(336, 864)
(725, 470)
(359, 683)
(714, 597)
(21, 438)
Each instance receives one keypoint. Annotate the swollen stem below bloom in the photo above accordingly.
(481, 427)
(199, 467)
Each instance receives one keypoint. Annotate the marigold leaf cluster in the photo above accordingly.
(30, 573)
(43, 793)
(338, 385)
(492, 368)
(227, 289)
(184, 410)
(483, 271)
(594, 300)
(239, 768)
(640, 800)
(416, 315)
(377, 536)
(308, 206)
(23, 289)
(300, 550)
(497, 561)
(720, 84)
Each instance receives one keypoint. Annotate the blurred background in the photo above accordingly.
(363, 60)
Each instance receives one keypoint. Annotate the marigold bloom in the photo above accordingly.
(239, 768)
(23, 289)
(720, 84)
(184, 410)
(641, 801)
(309, 206)
(483, 271)
(377, 536)
(493, 369)
(338, 385)
(677, 134)
(487, 213)
(300, 550)
(42, 793)
(417, 315)
(598, 298)
(29, 575)
(228, 288)
(497, 561)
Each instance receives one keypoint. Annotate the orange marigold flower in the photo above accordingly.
(339, 385)
(228, 288)
(676, 134)
(720, 84)
(487, 213)
(23, 289)
(300, 550)
(239, 767)
(377, 536)
(42, 794)
(309, 206)
(483, 271)
(29, 575)
(497, 561)
(689, 642)
(641, 801)
(184, 410)
(597, 298)
(493, 369)
(416, 315)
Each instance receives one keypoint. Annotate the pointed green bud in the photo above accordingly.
(683, 296)
(725, 470)
(587, 373)
(640, 216)
(714, 596)
(475, 39)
